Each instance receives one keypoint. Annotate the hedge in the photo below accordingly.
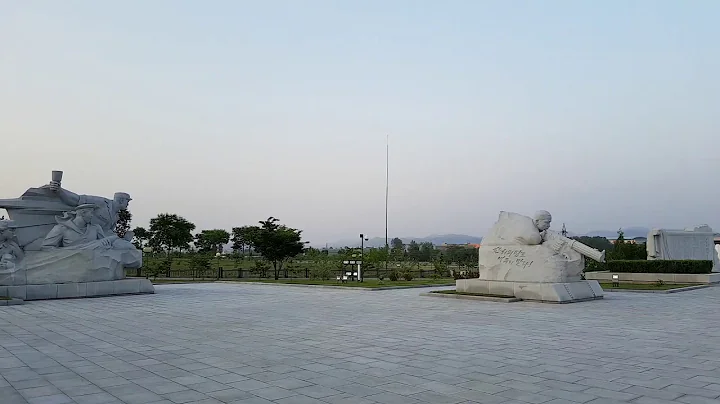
(660, 266)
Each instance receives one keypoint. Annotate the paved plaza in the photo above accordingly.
(254, 344)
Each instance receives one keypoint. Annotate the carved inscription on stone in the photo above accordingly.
(512, 256)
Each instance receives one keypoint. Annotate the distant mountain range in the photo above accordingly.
(440, 239)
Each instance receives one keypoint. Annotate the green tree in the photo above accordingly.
(242, 237)
(397, 248)
(200, 262)
(427, 252)
(413, 251)
(141, 237)
(277, 243)
(123, 224)
(598, 243)
(624, 250)
(170, 232)
(212, 240)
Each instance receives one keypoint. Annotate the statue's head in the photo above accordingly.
(7, 229)
(122, 199)
(542, 219)
(85, 211)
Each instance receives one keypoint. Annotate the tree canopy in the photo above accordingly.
(141, 237)
(276, 242)
(170, 231)
(123, 224)
(212, 240)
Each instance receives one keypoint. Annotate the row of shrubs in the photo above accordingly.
(655, 266)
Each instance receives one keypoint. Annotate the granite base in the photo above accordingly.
(80, 289)
(569, 292)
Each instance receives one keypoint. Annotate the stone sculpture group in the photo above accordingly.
(521, 257)
(61, 244)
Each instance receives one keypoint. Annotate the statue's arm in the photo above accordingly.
(17, 251)
(53, 239)
(69, 198)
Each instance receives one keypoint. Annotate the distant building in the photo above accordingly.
(446, 246)
(636, 240)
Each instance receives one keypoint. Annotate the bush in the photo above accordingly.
(661, 266)
(261, 269)
(323, 273)
(465, 275)
(200, 262)
(407, 275)
(394, 276)
(158, 267)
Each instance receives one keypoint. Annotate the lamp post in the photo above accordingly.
(362, 256)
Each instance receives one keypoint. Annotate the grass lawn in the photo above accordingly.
(455, 292)
(368, 283)
(5, 298)
(644, 286)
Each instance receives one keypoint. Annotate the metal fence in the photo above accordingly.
(305, 273)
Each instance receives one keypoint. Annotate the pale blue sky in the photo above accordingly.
(226, 112)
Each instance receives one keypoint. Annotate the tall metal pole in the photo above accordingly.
(387, 186)
(362, 257)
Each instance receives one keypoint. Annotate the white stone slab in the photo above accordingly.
(126, 286)
(567, 292)
(18, 292)
(71, 290)
(41, 292)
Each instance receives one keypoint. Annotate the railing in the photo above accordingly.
(235, 273)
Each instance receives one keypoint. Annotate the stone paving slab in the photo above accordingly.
(234, 343)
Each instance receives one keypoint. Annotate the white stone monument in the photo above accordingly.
(521, 257)
(59, 244)
(696, 243)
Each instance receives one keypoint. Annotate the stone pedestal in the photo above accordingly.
(78, 289)
(568, 292)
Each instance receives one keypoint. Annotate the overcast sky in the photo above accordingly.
(606, 113)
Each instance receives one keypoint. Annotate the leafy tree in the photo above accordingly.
(623, 250)
(123, 224)
(397, 248)
(598, 243)
(242, 237)
(413, 251)
(440, 268)
(211, 240)
(277, 243)
(427, 252)
(141, 237)
(170, 232)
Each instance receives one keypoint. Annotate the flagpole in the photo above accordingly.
(387, 187)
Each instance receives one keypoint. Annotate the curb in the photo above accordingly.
(470, 297)
(12, 302)
(338, 287)
(685, 289)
